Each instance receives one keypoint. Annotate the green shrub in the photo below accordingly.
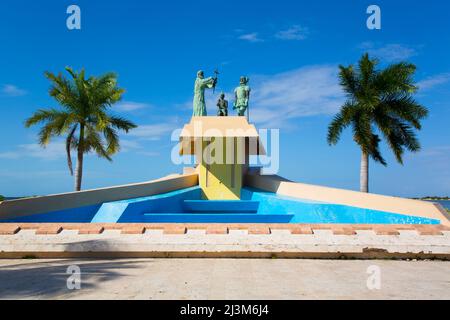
(2, 198)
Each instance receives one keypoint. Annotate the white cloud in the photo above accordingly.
(277, 99)
(390, 52)
(433, 81)
(250, 37)
(436, 151)
(22, 174)
(296, 32)
(149, 154)
(435, 159)
(13, 91)
(53, 151)
(128, 106)
(152, 131)
(308, 91)
(9, 155)
(56, 150)
(129, 145)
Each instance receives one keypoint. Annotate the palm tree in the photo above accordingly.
(84, 117)
(378, 102)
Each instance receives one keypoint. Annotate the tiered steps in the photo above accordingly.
(216, 218)
(218, 211)
(223, 206)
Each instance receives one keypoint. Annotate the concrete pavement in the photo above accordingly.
(225, 279)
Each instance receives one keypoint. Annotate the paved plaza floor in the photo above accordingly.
(224, 279)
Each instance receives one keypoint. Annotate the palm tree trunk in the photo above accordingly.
(80, 153)
(364, 173)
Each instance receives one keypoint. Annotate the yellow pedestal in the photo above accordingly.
(221, 181)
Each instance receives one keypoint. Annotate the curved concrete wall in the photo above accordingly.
(31, 206)
(347, 197)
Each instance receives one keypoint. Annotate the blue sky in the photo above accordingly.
(289, 49)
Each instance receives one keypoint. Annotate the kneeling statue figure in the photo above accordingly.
(222, 105)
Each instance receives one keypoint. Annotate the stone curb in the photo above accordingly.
(253, 229)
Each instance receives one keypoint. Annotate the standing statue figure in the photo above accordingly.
(223, 106)
(199, 93)
(242, 96)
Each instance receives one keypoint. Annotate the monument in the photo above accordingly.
(242, 96)
(222, 147)
(201, 84)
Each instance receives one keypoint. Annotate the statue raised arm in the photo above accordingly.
(201, 83)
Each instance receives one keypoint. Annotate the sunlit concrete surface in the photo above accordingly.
(224, 279)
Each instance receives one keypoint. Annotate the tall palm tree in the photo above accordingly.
(84, 117)
(378, 102)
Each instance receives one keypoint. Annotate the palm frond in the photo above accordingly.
(405, 108)
(375, 153)
(55, 124)
(348, 80)
(112, 140)
(64, 92)
(45, 134)
(399, 135)
(341, 121)
(94, 142)
(122, 123)
(362, 131)
(42, 116)
(366, 70)
(396, 79)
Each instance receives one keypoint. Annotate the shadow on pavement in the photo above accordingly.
(48, 279)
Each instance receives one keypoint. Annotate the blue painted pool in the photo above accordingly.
(256, 207)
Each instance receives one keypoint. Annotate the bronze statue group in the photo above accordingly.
(241, 96)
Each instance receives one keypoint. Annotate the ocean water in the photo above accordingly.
(444, 203)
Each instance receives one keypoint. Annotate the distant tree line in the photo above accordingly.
(433, 198)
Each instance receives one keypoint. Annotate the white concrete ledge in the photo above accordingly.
(196, 244)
